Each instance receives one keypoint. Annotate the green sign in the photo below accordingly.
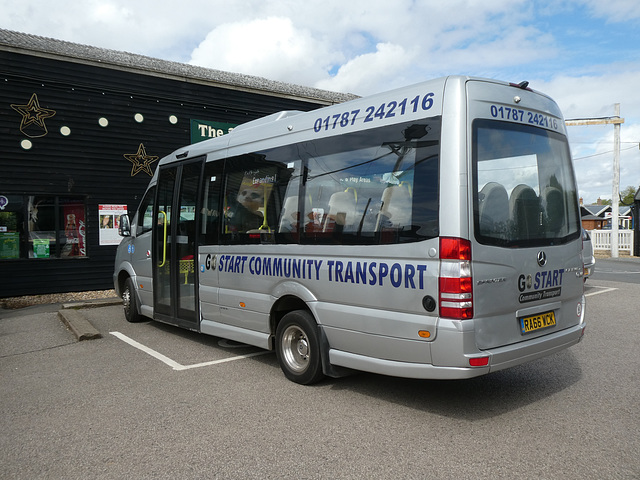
(40, 248)
(204, 129)
(9, 245)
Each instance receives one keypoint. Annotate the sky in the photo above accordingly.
(583, 53)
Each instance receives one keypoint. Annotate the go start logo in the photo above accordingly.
(209, 263)
(544, 279)
(541, 285)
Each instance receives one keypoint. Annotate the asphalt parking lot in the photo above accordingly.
(151, 401)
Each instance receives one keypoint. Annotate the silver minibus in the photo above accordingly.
(428, 232)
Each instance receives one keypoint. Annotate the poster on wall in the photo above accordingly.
(74, 244)
(9, 244)
(109, 223)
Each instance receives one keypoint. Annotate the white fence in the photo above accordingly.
(601, 239)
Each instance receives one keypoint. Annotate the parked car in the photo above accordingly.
(587, 254)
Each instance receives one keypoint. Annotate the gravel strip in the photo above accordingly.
(29, 300)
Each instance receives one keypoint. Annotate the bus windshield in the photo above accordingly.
(524, 186)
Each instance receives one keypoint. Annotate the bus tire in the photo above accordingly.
(298, 348)
(130, 303)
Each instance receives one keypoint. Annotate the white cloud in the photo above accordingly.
(369, 72)
(593, 151)
(270, 47)
(309, 42)
(109, 13)
(162, 29)
(615, 10)
(594, 95)
(580, 52)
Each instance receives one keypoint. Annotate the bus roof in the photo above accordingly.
(271, 130)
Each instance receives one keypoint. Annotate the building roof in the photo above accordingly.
(592, 217)
(105, 58)
(595, 209)
(599, 211)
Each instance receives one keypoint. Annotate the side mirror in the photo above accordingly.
(124, 229)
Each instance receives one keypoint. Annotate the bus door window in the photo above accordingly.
(186, 228)
(185, 240)
(163, 252)
(210, 210)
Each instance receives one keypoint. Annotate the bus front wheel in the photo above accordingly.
(298, 348)
(131, 312)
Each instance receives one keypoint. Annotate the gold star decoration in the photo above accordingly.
(141, 161)
(33, 114)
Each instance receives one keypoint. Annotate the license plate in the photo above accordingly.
(537, 322)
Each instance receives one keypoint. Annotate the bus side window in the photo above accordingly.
(289, 216)
(396, 207)
(145, 213)
(244, 204)
(342, 211)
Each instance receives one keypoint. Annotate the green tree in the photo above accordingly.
(627, 195)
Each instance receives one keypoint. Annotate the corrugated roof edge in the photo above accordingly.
(132, 61)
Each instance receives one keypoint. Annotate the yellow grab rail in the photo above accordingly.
(164, 249)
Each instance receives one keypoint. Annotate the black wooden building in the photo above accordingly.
(81, 132)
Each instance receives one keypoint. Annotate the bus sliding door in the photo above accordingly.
(175, 274)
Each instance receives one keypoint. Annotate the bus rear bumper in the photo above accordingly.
(401, 369)
(499, 358)
(516, 354)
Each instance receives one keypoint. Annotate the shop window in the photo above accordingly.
(42, 226)
(11, 227)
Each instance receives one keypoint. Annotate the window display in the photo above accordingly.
(42, 226)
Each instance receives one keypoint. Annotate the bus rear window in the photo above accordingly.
(524, 189)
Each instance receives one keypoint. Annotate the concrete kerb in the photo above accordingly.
(71, 315)
(624, 255)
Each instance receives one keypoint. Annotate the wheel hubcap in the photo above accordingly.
(303, 347)
(126, 300)
(295, 349)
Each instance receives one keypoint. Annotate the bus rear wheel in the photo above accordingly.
(298, 348)
(131, 312)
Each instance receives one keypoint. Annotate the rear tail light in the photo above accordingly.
(455, 281)
(479, 361)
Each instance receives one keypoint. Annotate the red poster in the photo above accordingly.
(74, 231)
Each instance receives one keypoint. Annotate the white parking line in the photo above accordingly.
(172, 363)
(605, 290)
(611, 271)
